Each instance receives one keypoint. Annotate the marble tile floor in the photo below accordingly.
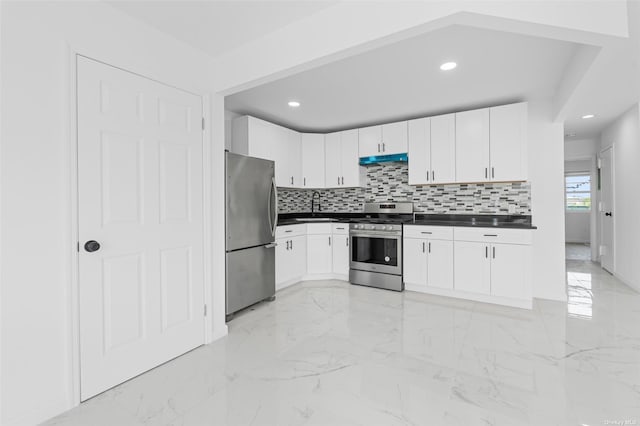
(577, 251)
(328, 353)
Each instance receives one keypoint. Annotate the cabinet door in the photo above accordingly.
(440, 264)
(370, 141)
(294, 157)
(414, 261)
(419, 134)
(319, 254)
(349, 159)
(394, 138)
(333, 159)
(510, 271)
(313, 160)
(340, 246)
(280, 147)
(298, 256)
(472, 270)
(472, 146)
(283, 267)
(443, 149)
(262, 137)
(508, 135)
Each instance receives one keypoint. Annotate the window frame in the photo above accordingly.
(578, 210)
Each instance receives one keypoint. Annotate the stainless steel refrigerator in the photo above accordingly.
(251, 220)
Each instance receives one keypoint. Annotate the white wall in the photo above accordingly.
(546, 173)
(624, 136)
(37, 38)
(580, 149)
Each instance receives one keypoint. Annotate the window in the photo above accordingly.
(578, 192)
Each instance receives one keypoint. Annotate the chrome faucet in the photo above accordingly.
(313, 204)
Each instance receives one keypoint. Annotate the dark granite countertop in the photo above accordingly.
(475, 220)
(465, 220)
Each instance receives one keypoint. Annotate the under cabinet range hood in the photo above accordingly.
(377, 159)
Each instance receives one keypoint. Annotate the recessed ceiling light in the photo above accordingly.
(448, 66)
(294, 104)
(588, 116)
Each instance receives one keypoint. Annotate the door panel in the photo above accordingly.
(607, 254)
(319, 254)
(341, 254)
(394, 138)
(414, 258)
(508, 127)
(472, 270)
(333, 160)
(313, 159)
(510, 271)
(472, 146)
(419, 134)
(443, 149)
(349, 158)
(250, 276)
(140, 197)
(440, 264)
(249, 198)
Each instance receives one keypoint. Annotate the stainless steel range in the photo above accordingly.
(376, 245)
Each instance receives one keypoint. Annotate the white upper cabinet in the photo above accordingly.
(384, 139)
(432, 150)
(394, 138)
(287, 158)
(370, 141)
(341, 159)
(508, 130)
(472, 146)
(349, 159)
(313, 155)
(443, 149)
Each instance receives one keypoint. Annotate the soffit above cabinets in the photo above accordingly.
(403, 80)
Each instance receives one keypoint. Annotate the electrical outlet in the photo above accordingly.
(512, 208)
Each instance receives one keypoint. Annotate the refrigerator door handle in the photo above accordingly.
(272, 245)
(273, 223)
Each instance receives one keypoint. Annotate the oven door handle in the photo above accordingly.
(387, 234)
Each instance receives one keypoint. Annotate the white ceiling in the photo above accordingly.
(215, 26)
(403, 80)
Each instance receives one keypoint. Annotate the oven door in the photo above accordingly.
(376, 251)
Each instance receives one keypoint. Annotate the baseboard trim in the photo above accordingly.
(462, 295)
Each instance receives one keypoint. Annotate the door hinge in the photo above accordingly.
(202, 123)
(205, 310)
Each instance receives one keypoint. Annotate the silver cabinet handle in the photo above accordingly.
(486, 173)
(338, 180)
(493, 173)
(289, 230)
(329, 240)
(304, 181)
(287, 244)
(291, 241)
(383, 147)
(426, 232)
(490, 235)
(429, 246)
(378, 147)
(486, 252)
(433, 175)
(494, 252)
(339, 228)
(423, 246)
(347, 241)
(343, 180)
(427, 175)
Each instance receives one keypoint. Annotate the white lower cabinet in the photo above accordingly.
(291, 260)
(319, 254)
(484, 264)
(473, 267)
(427, 263)
(340, 249)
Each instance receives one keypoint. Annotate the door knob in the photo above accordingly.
(92, 246)
(607, 214)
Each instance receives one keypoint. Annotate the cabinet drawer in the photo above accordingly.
(287, 231)
(340, 228)
(493, 235)
(431, 232)
(319, 228)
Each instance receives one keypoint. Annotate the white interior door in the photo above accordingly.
(606, 211)
(140, 198)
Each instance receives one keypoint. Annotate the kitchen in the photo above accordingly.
(401, 176)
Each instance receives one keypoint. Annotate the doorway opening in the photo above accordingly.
(580, 206)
